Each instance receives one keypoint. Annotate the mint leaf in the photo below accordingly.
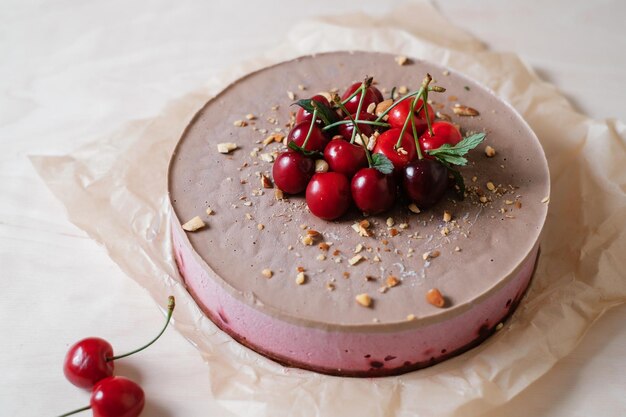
(454, 155)
(382, 163)
(293, 146)
(326, 115)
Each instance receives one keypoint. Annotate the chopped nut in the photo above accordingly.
(443, 116)
(545, 199)
(267, 157)
(490, 152)
(274, 137)
(260, 226)
(291, 95)
(267, 273)
(240, 123)
(249, 216)
(346, 275)
(413, 208)
(447, 216)
(410, 317)
(226, 147)
(362, 228)
(321, 257)
(499, 326)
(465, 111)
(265, 181)
(390, 221)
(209, 211)
(376, 259)
(393, 232)
(392, 281)
(518, 204)
(401, 60)
(301, 87)
(402, 151)
(508, 202)
(364, 300)
(383, 289)
(194, 224)
(250, 116)
(307, 240)
(445, 231)
(358, 248)
(483, 199)
(430, 255)
(300, 269)
(434, 297)
(330, 286)
(324, 246)
(371, 108)
(382, 106)
(403, 225)
(300, 278)
(355, 260)
(278, 194)
(321, 165)
(491, 186)
(313, 233)
(403, 89)
(457, 249)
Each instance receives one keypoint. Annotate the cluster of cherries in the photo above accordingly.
(370, 176)
(89, 364)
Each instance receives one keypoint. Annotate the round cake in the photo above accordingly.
(353, 297)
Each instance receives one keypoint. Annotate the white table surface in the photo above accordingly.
(73, 70)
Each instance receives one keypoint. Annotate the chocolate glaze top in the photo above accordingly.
(483, 248)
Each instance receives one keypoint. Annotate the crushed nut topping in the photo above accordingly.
(291, 95)
(447, 216)
(260, 226)
(226, 147)
(364, 300)
(321, 165)
(401, 60)
(545, 199)
(266, 182)
(300, 278)
(371, 108)
(413, 208)
(358, 248)
(240, 123)
(355, 260)
(464, 111)
(434, 297)
(278, 194)
(392, 281)
(430, 255)
(194, 224)
(382, 106)
(209, 211)
(490, 152)
(324, 246)
(491, 186)
(267, 273)
(390, 221)
(410, 317)
(250, 116)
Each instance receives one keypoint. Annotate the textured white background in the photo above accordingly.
(74, 70)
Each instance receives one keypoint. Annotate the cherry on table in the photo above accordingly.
(401, 111)
(353, 104)
(304, 116)
(292, 171)
(425, 182)
(317, 141)
(372, 191)
(328, 195)
(91, 360)
(346, 129)
(345, 157)
(443, 133)
(115, 396)
(401, 156)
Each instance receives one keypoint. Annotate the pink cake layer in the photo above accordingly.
(348, 353)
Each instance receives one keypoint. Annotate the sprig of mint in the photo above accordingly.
(382, 163)
(455, 155)
(293, 146)
(326, 115)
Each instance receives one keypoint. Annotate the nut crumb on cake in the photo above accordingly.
(364, 300)
(194, 224)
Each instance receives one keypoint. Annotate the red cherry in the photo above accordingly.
(386, 145)
(328, 195)
(346, 130)
(117, 396)
(352, 105)
(444, 132)
(372, 191)
(317, 140)
(400, 112)
(425, 182)
(86, 362)
(292, 171)
(304, 116)
(345, 157)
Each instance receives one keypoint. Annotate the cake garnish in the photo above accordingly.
(240, 123)
(465, 111)
(364, 300)
(434, 297)
(300, 278)
(226, 147)
(490, 152)
(267, 273)
(401, 60)
(194, 224)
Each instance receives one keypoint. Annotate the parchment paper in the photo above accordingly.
(115, 190)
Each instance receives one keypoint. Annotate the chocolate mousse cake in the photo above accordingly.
(362, 295)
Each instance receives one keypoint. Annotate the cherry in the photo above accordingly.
(400, 112)
(443, 132)
(292, 171)
(328, 195)
(399, 157)
(372, 191)
(115, 396)
(304, 116)
(425, 181)
(91, 360)
(317, 141)
(345, 130)
(88, 361)
(345, 157)
(352, 105)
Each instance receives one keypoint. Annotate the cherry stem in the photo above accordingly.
(368, 155)
(422, 92)
(364, 86)
(363, 122)
(76, 411)
(308, 135)
(354, 124)
(170, 309)
(415, 137)
(368, 81)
